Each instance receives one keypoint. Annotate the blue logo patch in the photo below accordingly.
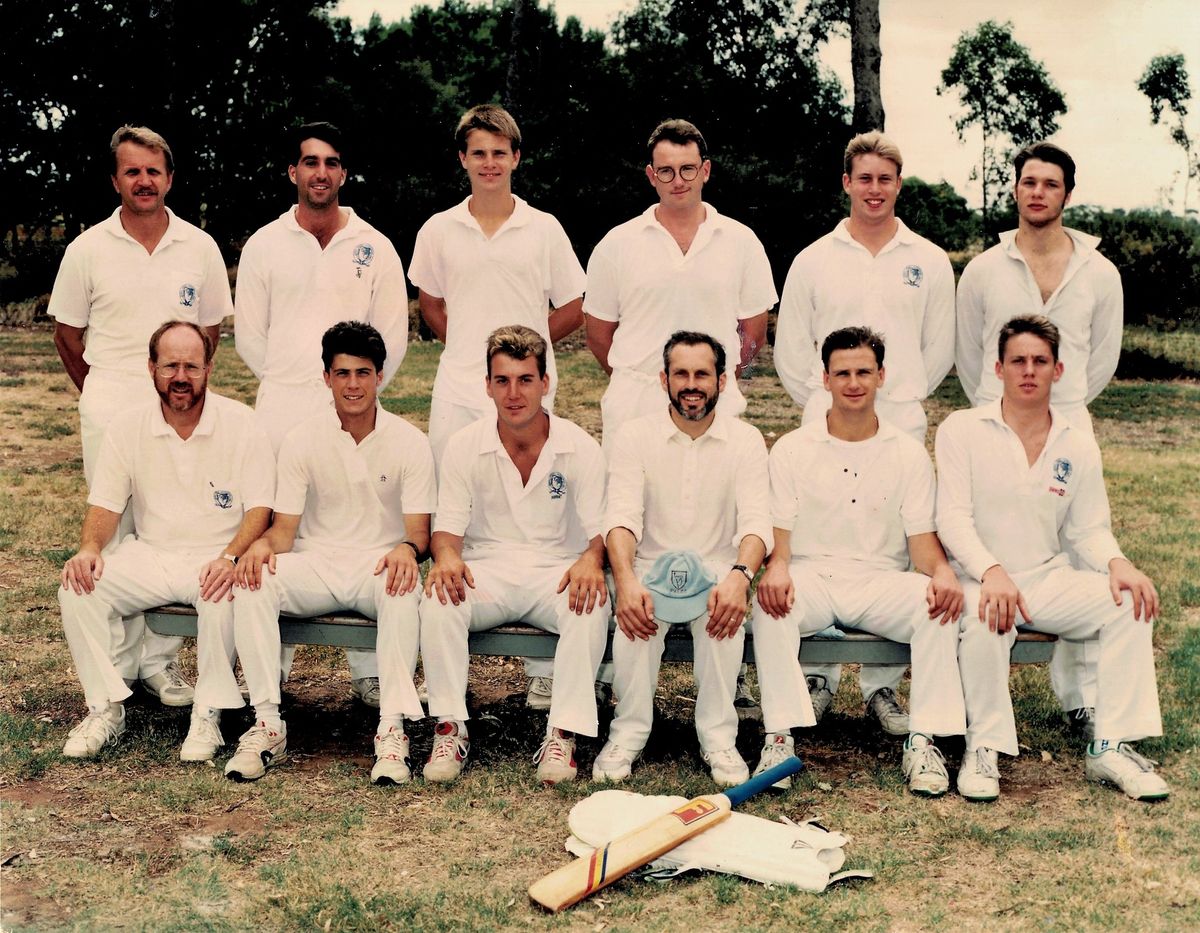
(363, 254)
(222, 498)
(1062, 470)
(187, 295)
(913, 276)
(557, 484)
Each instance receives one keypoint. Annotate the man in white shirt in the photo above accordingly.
(199, 477)
(1019, 484)
(852, 499)
(356, 488)
(870, 271)
(118, 281)
(684, 477)
(315, 265)
(1043, 267)
(517, 536)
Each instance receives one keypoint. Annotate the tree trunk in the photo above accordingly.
(865, 60)
(512, 81)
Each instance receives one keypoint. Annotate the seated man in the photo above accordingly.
(200, 477)
(351, 525)
(684, 477)
(1018, 486)
(853, 503)
(516, 538)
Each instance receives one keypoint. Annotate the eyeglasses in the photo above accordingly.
(666, 174)
(191, 370)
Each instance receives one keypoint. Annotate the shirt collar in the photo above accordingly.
(558, 440)
(1085, 243)
(206, 425)
(903, 236)
(712, 218)
(993, 412)
(522, 214)
(354, 223)
(719, 429)
(886, 432)
(174, 227)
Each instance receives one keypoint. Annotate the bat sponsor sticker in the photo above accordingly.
(693, 810)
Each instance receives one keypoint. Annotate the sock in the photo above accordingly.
(390, 722)
(461, 726)
(1100, 746)
(268, 714)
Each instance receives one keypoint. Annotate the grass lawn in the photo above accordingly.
(135, 840)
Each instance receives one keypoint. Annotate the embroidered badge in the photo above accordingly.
(223, 498)
(557, 484)
(678, 580)
(913, 276)
(1062, 470)
(187, 295)
(363, 254)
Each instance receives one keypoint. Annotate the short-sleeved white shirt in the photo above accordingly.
(110, 285)
(354, 496)
(290, 291)
(511, 278)
(994, 508)
(852, 501)
(550, 519)
(186, 495)
(703, 495)
(905, 293)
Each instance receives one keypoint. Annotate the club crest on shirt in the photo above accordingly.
(678, 580)
(557, 484)
(187, 295)
(363, 254)
(222, 498)
(913, 275)
(1062, 470)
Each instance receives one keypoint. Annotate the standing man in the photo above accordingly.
(351, 526)
(199, 477)
(684, 477)
(852, 499)
(118, 281)
(1043, 267)
(315, 265)
(1018, 486)
(871, 271)
(517, 536)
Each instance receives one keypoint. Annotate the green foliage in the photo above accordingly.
(938, 212)
(1165, 83)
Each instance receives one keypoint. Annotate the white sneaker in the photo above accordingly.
(979, 775)
(449, 754)
(169, 686)
(884, 706)
(556, 758)
(923, 766)
(203, 738)
(366, 690)
(392, 762)
(727, 767)
(744, 701)
(820, 694)
(539, 692)
(614, 763)
(1128, 770)
(96, 731)
(258, 749)
(777, 748)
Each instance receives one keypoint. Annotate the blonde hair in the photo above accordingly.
(870, 143)
(519, 342)
(143, 136)
(493, 119)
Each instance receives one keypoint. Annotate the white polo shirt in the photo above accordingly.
(354, 496)
(110, 285)
(511, 278)
(639, 278)
(858, 501)
(905, 293)
(290, 291)
(186, 495)
(550, 519)
(703, 495)
(994, 508)
(1087, 307)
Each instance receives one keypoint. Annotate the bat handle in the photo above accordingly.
(743, 792)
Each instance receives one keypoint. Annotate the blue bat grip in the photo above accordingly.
(743, 792)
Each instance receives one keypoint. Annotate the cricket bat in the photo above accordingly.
(575, 881)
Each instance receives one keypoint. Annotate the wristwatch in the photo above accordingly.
(229, 557)
(745, 572)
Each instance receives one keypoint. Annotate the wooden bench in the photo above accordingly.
(350, 630)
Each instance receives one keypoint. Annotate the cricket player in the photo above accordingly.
(852, 499)
(871, 270)
(685, 477)
(318, 263)
(1043, 267)
(351, 526)
(1019, 484)
(517, 536)
(118, 281)
(199, 477)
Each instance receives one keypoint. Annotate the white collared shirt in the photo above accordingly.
(1087, 307)
(675, 493)
(110, 285)
(905, 293)
(354, 496)
(994, 508)
(290, 291)
(513, 277)
(852, 501)
(186, 495)
(550, 519)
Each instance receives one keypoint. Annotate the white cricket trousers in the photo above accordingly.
(1073, 604)
(888, 603)
(309, 583)
(137, 577)
(142, 652)
(509, 590)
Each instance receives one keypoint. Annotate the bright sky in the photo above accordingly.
(1094, 50)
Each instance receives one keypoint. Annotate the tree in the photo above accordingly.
(1165, 83)
(1008, 95)
(865, 60)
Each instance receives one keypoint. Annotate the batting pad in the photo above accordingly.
(801, 854)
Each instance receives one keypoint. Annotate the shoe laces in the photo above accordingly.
(930, 759)
(985, 764)
(725, 758)
(1085, 714)
(205, 727)
(1143, 763)
(257, 738)
(614, 754)
(448, 745)
(96, 725)
(775, 753)
(391, 745)
(543, 686)
(886, 698)
(174, 675)
(555, 749)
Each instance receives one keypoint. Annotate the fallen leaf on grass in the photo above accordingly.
(1046, 756)
(823, 786)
